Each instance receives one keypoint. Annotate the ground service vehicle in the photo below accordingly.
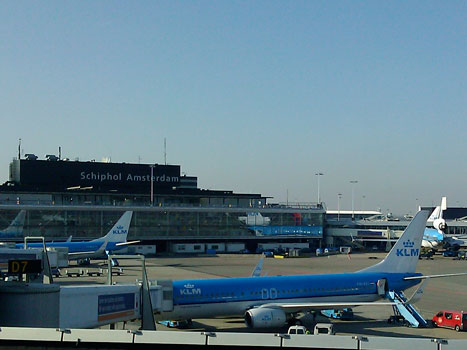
(298, 330)
(324, 328)
(451, 319)
(343, 314)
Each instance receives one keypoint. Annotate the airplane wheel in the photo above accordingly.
(457, 328)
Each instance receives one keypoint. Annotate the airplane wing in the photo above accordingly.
(84, 254)
(435, 276)
(302, 307)
(127, 243)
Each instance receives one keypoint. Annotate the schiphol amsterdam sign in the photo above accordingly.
(94, 173)
(92, 176)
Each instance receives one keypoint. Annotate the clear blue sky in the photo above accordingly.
(252, 96)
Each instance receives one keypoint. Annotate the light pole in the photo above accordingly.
(339, 195)
(319, 198)
(152, 184)
(353, 182)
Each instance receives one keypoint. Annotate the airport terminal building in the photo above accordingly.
(84, 199)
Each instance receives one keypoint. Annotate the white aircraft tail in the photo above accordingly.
(119, 232)
(438, 212)
(16, 226)
(435, 214)
(438, 222)
(403, 257)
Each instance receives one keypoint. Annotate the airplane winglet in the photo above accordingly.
(259, 267)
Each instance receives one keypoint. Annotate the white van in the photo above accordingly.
(297, 330)
(324, 328)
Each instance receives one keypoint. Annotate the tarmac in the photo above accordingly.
(440, 293)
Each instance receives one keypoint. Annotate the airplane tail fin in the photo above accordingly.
(119, 232)
(435, 214)
(403, 257)
(439, 223)
(438, 211)
(444, 204)
(16, 226)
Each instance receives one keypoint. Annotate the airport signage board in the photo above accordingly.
(98, 175)
(115, 306)
(369, 233)
(284, 230)
(24, 266)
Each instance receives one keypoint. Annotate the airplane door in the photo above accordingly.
(273, 293)
(382, 287)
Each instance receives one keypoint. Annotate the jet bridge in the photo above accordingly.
(31, 300)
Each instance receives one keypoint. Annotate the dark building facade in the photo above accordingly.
(65, 182)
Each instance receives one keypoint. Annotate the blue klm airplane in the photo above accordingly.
(114, 240)
(273, 301)
(15, 229)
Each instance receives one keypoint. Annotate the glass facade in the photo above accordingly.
(165, 222)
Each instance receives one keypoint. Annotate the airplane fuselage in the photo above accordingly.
(233, 296)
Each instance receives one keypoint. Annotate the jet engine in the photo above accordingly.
(439, 224)
(265, 318)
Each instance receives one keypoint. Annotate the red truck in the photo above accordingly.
(451, 319)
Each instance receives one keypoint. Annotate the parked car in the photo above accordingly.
(451, 319)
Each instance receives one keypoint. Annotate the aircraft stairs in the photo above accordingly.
(404, 310)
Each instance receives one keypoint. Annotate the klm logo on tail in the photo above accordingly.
(408, 249)
(119, 230)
